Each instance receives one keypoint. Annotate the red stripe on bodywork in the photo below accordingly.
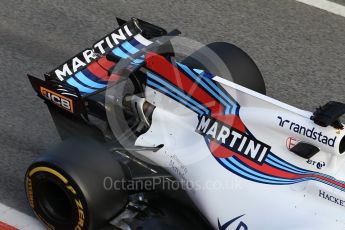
(219, 151)
(4, 226)
(222, 152)
(264, 168)
(171, 73)
(100, 68)
(105, 63)
(231, 120)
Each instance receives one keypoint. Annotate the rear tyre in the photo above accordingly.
(65, 187)
(241, 66)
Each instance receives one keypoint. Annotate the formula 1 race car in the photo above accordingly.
(154, 142)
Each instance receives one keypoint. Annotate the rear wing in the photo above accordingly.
(90, 71)
(120, 37)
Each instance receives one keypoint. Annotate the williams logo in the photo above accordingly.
(233, 139)
(59, 100)
(307, 132)
(239, 226)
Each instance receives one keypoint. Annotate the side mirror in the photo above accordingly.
(329, 115)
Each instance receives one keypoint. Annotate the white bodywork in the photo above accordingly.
(222, 195)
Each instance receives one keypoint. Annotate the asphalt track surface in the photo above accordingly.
(299, 49)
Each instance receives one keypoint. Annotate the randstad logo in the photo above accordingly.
(308, 132)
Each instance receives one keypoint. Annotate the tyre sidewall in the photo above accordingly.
(38, 174)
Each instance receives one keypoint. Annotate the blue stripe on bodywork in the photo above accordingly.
(257, 174)
(177, 91)
(207, 77)
(199, 81)
(231, 165)
(281, 165)
(93, 77)
(198, 71)
(80, 87)
(176, 97)
(85, 80)
(128, 46)
(118, 52)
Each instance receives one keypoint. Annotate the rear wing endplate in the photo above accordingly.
(59, 94)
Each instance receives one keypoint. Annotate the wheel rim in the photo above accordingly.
(54, 202)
